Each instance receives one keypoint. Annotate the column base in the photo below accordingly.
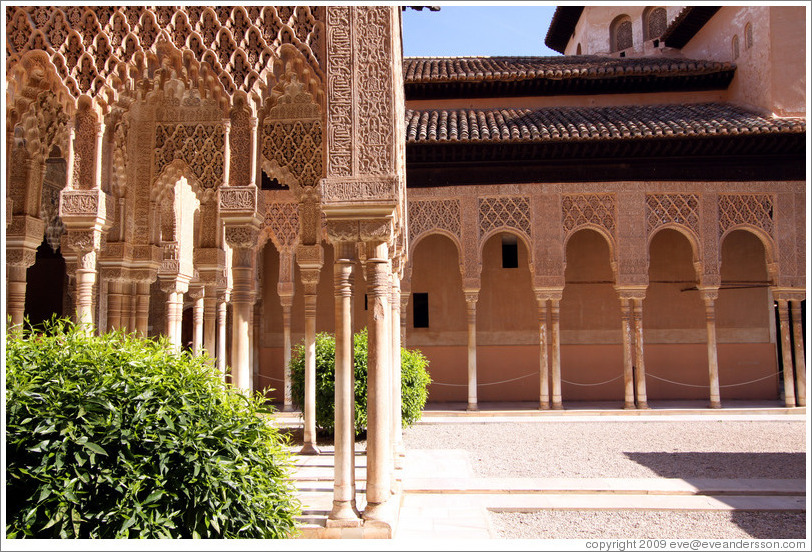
(309, 449)
(378, 511)
(343, 515)
(472, 407)
(544, 406)
(789, 404)
(558, 406)
(642, 406)
(715, 404)
(629, 406)
(288, 408)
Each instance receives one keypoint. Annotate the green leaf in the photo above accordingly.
(95, 448)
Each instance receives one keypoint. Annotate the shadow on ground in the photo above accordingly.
(723, 465)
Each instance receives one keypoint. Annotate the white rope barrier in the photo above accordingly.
(706, 386)
(270, 378)
(592, 384)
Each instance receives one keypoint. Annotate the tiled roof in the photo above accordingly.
(562, 26)
(686, 24)
(480, 69)
(556, 124)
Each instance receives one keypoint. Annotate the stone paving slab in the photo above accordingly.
(644, 486)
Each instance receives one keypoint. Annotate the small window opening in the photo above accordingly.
(421, 310)
(268, 183)
(656, 43)
(366, 302)
(510, 252)
(622, 54)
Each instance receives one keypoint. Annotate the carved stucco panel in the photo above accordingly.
(428, 215)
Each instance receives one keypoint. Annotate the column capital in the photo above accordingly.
(548, 293)
(636, 293)
(709, 294)
(471, 297)
(788, 294)
(310, 256)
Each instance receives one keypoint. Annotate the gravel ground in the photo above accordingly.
(713, 449)
(627, 524)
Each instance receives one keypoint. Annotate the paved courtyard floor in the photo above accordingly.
(675, 473)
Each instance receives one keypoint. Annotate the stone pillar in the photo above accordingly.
(287, 306)
(628, 351)
(786, 351)
(404, 313)
(544, 365)
(344, 509)
(471, 297)
(16, 283)
(379, 363)
(256, 323)
(310, 259)
(637, 314)
(210, 320)
(242, 303)
(709, 296)
(555, 316)
(800, 363)
(115, 298)
(174, 289)
(222, 305)
(197, 294)
(128, 307)
(142, 308)
(397, 398)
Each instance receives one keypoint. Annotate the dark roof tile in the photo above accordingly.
(417, 70)
(590, 123)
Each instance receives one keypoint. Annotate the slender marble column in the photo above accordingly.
(471, 298)
(397, 414)
(544, 365)
(379, 364)
(174, 311)
(287, 306)
(16, 283)
(642, 401)
(786, 351)
(310, 279)
(800, 363)
(710, 296)
(242, 303)
(198, 296)
(210, 321)
(85, 281)
(628, 353)
(114, 300)
(142, 308)
(222, 315)
(128, 308)
(555, 315)
(344, 509)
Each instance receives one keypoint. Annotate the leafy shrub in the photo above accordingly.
(116, 437)
(414, 381)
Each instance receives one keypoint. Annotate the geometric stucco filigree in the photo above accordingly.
(282, 223)
(588, 209)
(504, 211)
(750, 209)
(662, 209)
(200, 146)
(427, 215)
(238, 43)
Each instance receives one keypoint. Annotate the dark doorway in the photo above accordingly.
(45, 285)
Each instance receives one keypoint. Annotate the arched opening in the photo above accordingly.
(436, 291)
(655, 21)
(746, 330)
(45, 285)
(674, 322)
(620, 33)
(507, 328)
(591, 337)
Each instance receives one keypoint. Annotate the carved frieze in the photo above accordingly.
(682, 209)
(504, 212)
(428, 215)
(588, 209)
(358, 190)
(746, 209)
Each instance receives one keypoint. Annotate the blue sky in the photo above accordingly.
(478, 30)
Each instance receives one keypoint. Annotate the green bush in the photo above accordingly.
(120, 437)
(414, 381)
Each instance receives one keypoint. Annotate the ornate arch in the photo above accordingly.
(610, 241)
(693, 240)
(509, 230)
(770, 249)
